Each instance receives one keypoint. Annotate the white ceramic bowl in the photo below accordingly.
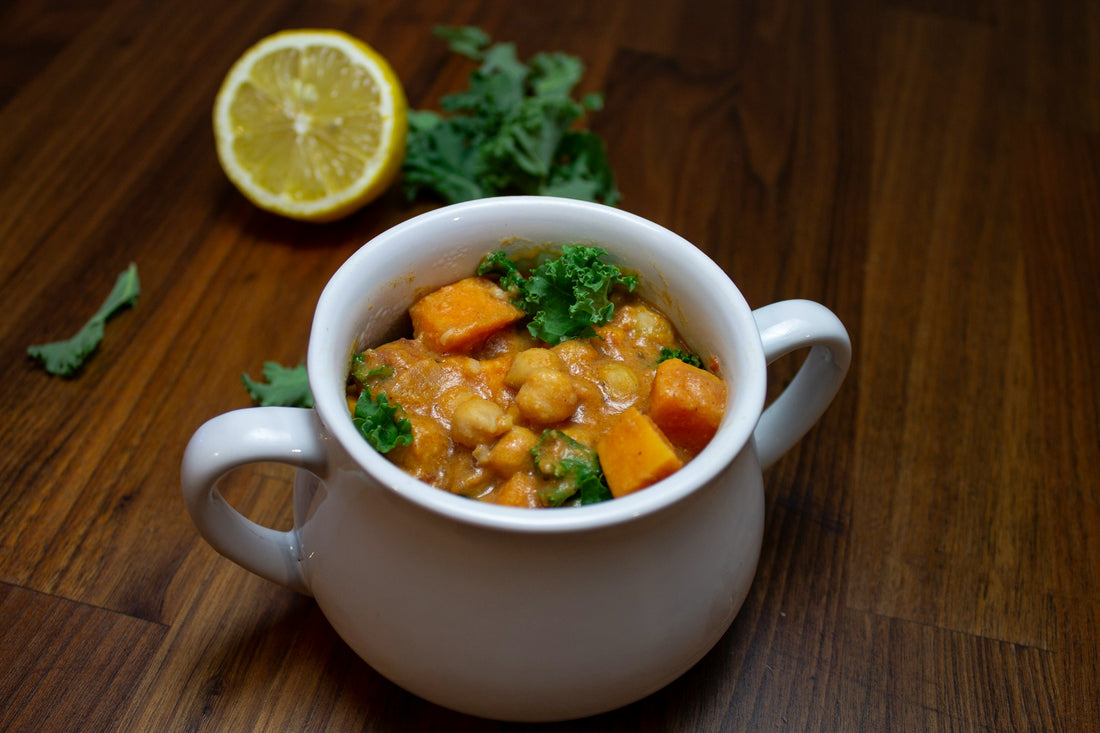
(506, 613)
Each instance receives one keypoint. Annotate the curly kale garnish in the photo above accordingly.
(566, 296)
(382, 423)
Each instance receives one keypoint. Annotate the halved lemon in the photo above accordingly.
(311, 124)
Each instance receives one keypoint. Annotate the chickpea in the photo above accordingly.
(588, 395)
(510, 454)
(618, 381)
(467, 478)
(612, 342)
(526, 362)
(576, 353)
(477, 421)
(547, 396)
(652, 326)
(448, 400)
(644, 324)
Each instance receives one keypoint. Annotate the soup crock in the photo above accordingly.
(508, 613)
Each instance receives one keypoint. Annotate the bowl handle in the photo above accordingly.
(289, 435)
(785, 327)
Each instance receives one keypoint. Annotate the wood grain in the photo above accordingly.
(929, 170)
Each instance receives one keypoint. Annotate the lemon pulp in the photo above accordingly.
(311, 124)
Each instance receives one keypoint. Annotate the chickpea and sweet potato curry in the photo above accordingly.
(537, 384)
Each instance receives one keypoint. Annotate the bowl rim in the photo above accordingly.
(743, 408)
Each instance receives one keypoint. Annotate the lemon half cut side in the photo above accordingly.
(311, 124)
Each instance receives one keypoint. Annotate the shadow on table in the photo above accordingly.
(309, 677)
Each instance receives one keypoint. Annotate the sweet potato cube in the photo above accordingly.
(687, 403)
(461, 316)
(634, 453)
(520, 490)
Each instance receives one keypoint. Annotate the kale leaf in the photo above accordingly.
(684, 356)
(574, 468)
(286, 386)
(361, 371)
(498, 263)
(63, 358)
(382, 423)
(565, 296)
(509, 132)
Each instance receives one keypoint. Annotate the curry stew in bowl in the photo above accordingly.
(537, 383)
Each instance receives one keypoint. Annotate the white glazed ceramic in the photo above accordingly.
(506, 613)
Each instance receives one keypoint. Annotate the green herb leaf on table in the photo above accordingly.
(566, 296)
(285, 386)
(382, 423)
(510, 132)
(64, 358)
(466, 40)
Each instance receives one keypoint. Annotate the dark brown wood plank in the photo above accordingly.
(1057, 189)
(67, 663)
(929, 170)
(940, 544)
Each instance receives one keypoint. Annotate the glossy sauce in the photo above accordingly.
(476, 416)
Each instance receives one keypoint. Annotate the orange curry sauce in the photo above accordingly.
(478, 403)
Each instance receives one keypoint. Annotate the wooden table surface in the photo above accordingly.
(929, 170)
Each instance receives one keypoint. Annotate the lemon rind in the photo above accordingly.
(383, 167)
